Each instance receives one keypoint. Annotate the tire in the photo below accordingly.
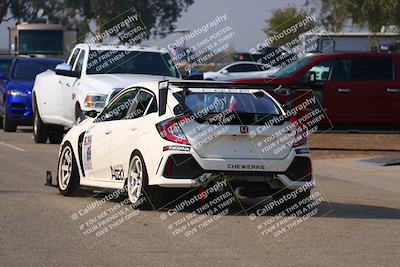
(138, 186)
(291, 201)
(40, 130)
(8, 125)
(56, 134)
(67, 173)
(78, 113)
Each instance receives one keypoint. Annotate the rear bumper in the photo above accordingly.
(189, 170)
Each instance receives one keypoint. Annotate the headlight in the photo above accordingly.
(95, 101)
(15, 92)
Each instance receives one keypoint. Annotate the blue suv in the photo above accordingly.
(16, 90)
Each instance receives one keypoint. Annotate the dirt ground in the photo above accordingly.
(344, 145)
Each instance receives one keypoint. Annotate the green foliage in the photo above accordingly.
(371, 13)
(157, 15)
(287, 18)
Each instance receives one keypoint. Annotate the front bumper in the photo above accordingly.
(19, 109)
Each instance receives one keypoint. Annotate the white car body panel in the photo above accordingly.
(221, 75)
(112, 144)
(57, 96)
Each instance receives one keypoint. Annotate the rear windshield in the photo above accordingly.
(29, 70)
(247, 108)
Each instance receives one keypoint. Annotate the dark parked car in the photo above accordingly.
(16, 90)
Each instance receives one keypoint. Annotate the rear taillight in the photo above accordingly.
(170, 130)
(301, 133)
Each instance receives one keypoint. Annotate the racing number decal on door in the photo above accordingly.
(87, 152)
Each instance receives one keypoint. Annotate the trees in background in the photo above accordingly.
(157, 15)
(334, 14)
(282, 19)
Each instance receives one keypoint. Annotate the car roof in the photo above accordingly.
(356, 54)
(122, 48)
(35, 59)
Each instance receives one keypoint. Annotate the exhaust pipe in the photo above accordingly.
(239, 192)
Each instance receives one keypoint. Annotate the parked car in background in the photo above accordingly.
(357, 90)
(273, 56)
(85, 82)
(5, 65)
(16, 100)
(240, 70)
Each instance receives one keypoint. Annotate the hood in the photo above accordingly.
(103, 83)
(23, 85)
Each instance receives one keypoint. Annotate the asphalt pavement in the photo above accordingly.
(358, 222)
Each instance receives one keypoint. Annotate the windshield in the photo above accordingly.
(29, 70)
(292, 67)
(46, 42)
(130, 62)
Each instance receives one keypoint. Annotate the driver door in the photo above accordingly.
(96, 145)
(67, 85)
(133, 129)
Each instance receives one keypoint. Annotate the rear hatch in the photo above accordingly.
(236, 125)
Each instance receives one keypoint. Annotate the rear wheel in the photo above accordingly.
(40, 130)
(138, 185)
(1, 122)
(56, 134)
(67, 175)
(8, 125)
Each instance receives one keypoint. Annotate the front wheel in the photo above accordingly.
(78, 113)
(40, 130)
(68, 175)
(8, 125)
(56, 134)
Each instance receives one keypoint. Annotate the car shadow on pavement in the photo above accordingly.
(361, 211)
(335, 210)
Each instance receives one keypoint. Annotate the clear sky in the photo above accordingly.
(246, 18)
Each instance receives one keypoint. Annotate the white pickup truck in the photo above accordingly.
(87, 81)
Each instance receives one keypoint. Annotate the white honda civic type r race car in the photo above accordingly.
(157, 138)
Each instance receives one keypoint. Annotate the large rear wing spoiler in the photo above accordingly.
(284, 90)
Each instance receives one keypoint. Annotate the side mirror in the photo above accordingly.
(65, 69)
(312, 76)
(3, 76)
(284, 91)
(224, 71)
